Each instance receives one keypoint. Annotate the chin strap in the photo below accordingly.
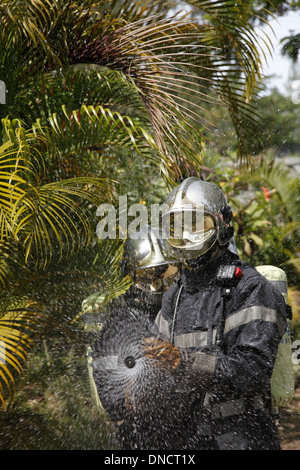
(200, 263)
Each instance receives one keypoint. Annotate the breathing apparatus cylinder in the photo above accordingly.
(282, 381)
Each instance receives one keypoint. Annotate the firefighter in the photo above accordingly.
(127, 383)
(223, 321)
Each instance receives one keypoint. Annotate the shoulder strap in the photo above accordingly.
(175, 313)
(228, 277)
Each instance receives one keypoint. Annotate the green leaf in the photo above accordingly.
(257, 240)
(18, 322)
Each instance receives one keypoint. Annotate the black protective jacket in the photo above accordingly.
(231, 341)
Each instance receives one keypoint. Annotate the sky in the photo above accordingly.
(276, 64)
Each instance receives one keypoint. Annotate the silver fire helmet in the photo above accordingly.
(147, 261)
(196, 218)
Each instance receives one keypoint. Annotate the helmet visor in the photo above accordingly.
(191, 230)
(157, 278)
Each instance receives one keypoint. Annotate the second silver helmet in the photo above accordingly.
(148, 262)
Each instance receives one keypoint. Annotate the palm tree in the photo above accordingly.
(90, 87)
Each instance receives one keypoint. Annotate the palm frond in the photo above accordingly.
(109, 254)
(177, 63)
(26, 19)
(231, 67)
(173, 119)
(82, 85)
(44, 217)
(18, 324)
(54, 217)
(92, 128)
(233, 32)
(11, 260)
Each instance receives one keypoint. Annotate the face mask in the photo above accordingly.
(157, 278)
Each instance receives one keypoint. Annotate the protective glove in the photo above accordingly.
(196, 368)
(162, 352)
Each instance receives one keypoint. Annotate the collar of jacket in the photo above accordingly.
(193, 279)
